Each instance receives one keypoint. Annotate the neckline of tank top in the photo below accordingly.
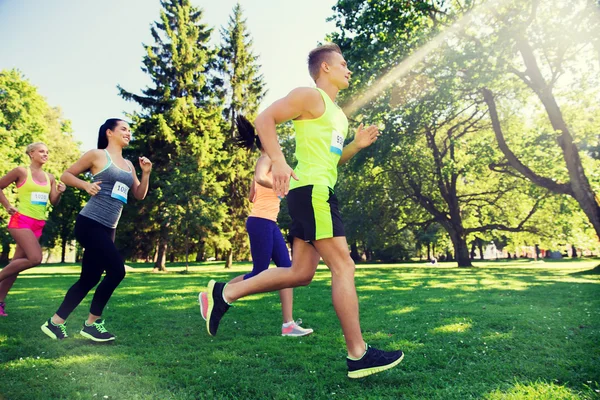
(322, 116)
(110, 162)
(29, 173)
(333, 102)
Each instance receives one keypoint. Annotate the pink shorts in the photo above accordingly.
(20, 221)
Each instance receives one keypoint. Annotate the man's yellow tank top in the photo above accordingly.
(319, 145)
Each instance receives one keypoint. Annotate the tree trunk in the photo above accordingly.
(354, 252)
(461, 249)
(473, 247)
(480, 246)
(5, 252)
(63, 253)
(368, 254)
(573, 251)
(200, 253)
(449, 255)
(229, 259)
(172, 257)
(78, 253)
(428, 251)
(161, 254)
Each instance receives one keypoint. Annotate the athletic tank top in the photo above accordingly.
(319, 145)
(33, 197)
(106, 206)
(266, 203)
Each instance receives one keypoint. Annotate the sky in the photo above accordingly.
(77, 51)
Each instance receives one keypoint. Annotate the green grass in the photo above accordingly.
(517, 330)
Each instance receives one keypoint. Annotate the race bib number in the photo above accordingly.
(337, 143)
(39, 198)
(120, 191)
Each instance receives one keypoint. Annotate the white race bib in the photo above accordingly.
(337, 143)
(39, 198)
(120, 191)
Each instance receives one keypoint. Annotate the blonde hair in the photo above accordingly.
(31, 147)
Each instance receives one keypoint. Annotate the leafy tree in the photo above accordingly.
(244, 89)
(26, 117)
(179, 129)
(435, 150)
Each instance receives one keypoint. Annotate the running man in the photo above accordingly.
(321, 128)
(35, 188)
(113, 177)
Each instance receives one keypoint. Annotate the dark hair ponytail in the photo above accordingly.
(111, 124)
(246, 136)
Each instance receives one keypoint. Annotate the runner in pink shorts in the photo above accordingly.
(35, 188)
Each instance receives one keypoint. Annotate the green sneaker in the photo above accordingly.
(55, 331)
(96, 332)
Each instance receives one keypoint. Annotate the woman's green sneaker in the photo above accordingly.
(97, 332)
(55, 331)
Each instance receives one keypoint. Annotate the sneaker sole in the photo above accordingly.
(297, 334)
(211, 304)
(88, 336)
(200, 303)
(48, 332)
(361, 373)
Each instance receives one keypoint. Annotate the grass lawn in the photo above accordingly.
(518, 330)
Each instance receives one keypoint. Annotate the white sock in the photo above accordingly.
(223, 295)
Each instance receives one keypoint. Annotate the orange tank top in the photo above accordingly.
(266, 203)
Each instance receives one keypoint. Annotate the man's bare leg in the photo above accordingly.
(300, 273)
(334, 252)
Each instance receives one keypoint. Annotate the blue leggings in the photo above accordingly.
(266, 244)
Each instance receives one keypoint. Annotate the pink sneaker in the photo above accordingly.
(294, 329)
(203, 300)
(2, 312)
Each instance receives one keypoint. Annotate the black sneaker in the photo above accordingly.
(96, 332)
(217, 307)
(57, 332)
(372, 362)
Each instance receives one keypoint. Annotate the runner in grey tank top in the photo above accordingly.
(113, 178)
(106, 206)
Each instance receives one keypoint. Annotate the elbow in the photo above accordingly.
(261, 121)
(64, 176)
(140, 196)
(262, 180)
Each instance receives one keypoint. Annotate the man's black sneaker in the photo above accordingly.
(372, 362)
(96, 332)
(58, 331)
(217, 307)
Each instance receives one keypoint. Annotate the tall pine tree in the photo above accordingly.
(244, 89)
(179, 129)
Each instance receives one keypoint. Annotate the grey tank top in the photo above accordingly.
(106, 206)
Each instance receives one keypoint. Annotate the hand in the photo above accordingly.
(281, 172)
(93, 188)
(145, 164)
(12, 210)
(61, 187)
(366, 137)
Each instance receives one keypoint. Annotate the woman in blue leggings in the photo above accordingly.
(266, 240)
